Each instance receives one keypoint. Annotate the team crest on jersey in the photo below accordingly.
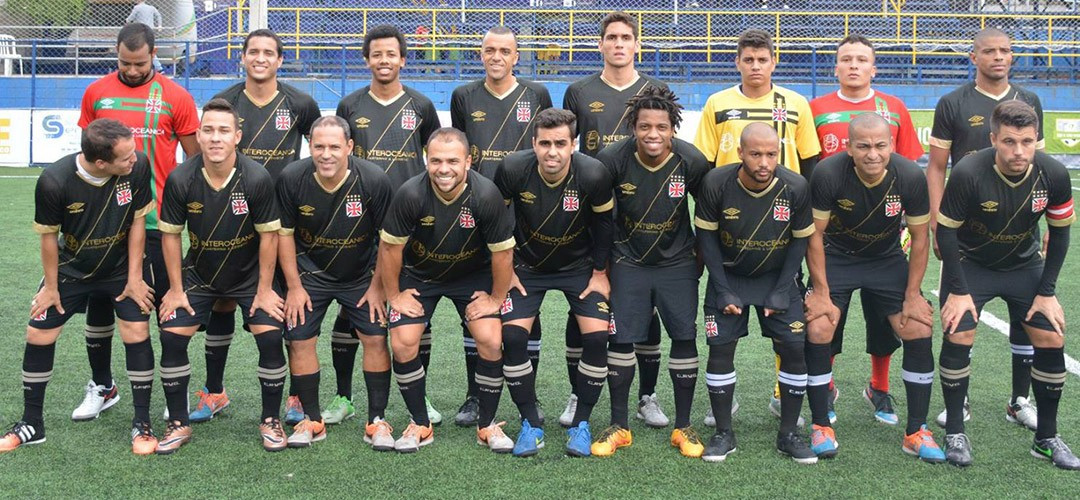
(362, 122)
(893, 207)
(239, 204)
(394, 316)
(781, 211)
(76, 207)
(507, 306)
(353, 206)
(153, 105)
(596, 107)
(779, 115)
(676, 188)
(524, 112)
(727, 141)
(570, 202)
(1039, 201)
(123, 193)
(830, 142)
(611, 325)
(282, 120)
(465, 218)
(408, 119)
(711, 329)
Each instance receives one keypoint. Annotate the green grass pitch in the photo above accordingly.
(93, 459)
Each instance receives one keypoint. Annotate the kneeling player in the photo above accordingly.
(858, 200)
(226, 200)
(99, 198)
(987, 236)
(562, 202)
(332, 206)
(753, 221)
(447, 234)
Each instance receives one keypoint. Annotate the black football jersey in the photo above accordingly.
(497, 125)
(391, 134)
(222, 224)
(93, 219)
(601, 109)
(446, 240)
(552, 221)
(336, 231)
(997, 218)
(864, 219)
(755, 228)
(273, 132)
(962, 118)
(652, 215)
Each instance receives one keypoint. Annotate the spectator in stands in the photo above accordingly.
(148, 15)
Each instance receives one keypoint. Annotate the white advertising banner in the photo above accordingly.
(15, 137)
(56, 134)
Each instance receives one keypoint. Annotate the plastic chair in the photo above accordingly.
(8, 54)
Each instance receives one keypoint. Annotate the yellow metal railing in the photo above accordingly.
(902, 33)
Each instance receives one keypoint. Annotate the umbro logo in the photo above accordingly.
(731, 213)
(603, 307)
(733, 113)
(845, 204)
(76, 207)
(796, 326)
(107, 103)
(428, 221)
(976, 120)
(527, 197)
(628, 189)
(989, 206)
(596, 107)
(307, 210)
(478, 116)
(195, 207)
(831, 117)
(362, 122)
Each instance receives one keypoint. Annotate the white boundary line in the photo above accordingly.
(1003, 328)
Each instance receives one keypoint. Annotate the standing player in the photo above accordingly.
(497, 115)
(832, 113)
(99, 198)
(987, 233)
(274, 119)
(653, 260)
(332, 206)
(447, 234)
(961, 128)
(562, 202)
(161, 115)
(599, 102)
(858, 201)
(226, 201)
(753, 221)
(389, 125)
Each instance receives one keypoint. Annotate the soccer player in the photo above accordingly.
(599, 102)
(226, 201)
(389, 124)
(447, 234)
(274, 119)
(497, 114)
(858, 200)
(961, 128)
(757, 99)
(832, 114)
(99, 199)
(987, 234)
(653, 263)
(562, 202)
(332, 206)
(753, 221)
(161, 116)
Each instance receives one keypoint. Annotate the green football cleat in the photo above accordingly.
(339, 410)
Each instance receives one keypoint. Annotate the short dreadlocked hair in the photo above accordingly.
(654, 98)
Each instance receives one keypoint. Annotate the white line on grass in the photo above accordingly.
(1003, 328)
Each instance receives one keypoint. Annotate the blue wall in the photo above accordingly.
(66, 92)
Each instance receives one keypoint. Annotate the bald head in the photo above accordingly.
(988, 34)
(758, 131)
(867, 123)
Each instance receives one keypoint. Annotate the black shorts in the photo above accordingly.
(788, 326)
(459, 292)
(636, 291)
(882, 283)
(321, 296)
(570, 283)
(203, 304)
(1017, 288)
(881, 340)
(74, 296)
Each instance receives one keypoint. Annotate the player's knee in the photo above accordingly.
(721, 358)
(962, 338)
(915, 330)
(594, 341)
(302, 348)
(374, 343)
(37, 336)
(515, 339)
(134, 331)
(820, 330)
(792, 356)
(174, 349)
(1045, 339)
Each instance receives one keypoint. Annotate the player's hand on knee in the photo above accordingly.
(405, 303)
(375, 299)
(482, 305)
(297, 304)
(819, 304)
(953, 311)
(515, 283)
(1050, 307)
(45, 298)
(139, 292)
(598, 283)
(916, 308)
(269, 301)
(174, 300)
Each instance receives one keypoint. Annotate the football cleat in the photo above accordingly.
(774, 408)
(649, 410)
(414, 437)
(306, 432)
(1022, 412)
(294, 411)
(21, 434)
(1056, 451)
(273, 435)
(175, 436)
(611, 439)
(567, 417)
(143, 441)
(944, 413)
(835, 395)
(530, 440)
(494, 438)
(579, 440)
(209, 405)
(921, 444)
(468, 413)
(98, 398)
(793, 445)
(379, 435)
(882, 403)
(710, 419)
(339, 410)
(823, 441)
(958, 449)
(433, 415)
(688, 442)
(720, 446)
